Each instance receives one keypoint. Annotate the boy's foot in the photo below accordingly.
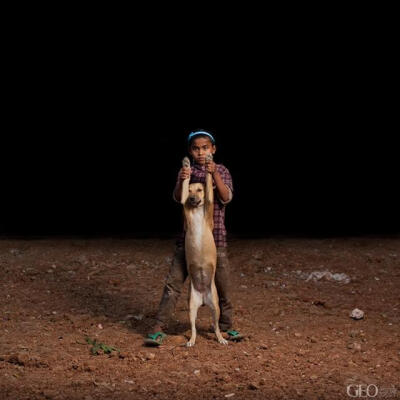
(232, 334)
(154, 339)
(235, 336)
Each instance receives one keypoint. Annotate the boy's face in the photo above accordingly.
(199, 149)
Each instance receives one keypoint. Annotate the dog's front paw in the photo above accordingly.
(186, 162)
(223, 341)
(190, 343)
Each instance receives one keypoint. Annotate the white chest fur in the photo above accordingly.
(197, 226)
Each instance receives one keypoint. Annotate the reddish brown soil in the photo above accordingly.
(301, 342)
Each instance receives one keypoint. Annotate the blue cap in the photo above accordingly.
(191, 135)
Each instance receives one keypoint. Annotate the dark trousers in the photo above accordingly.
(174, 283)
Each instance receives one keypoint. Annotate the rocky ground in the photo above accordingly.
(292, 297)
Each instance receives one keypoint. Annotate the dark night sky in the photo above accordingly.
(331, 177)
(94, 140)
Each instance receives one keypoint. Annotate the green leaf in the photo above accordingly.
(96, 346)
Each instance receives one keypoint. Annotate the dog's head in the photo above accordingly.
(196, 194)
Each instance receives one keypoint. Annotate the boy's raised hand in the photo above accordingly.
(185, 171)
(210, 164)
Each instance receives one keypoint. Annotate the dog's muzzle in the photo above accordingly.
(194, 201)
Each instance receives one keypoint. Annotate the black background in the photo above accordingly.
(295, 172)
(95, 130)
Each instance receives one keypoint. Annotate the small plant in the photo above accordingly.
(97, 346)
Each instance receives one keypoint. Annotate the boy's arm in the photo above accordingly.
(223, 183)
(223, 191)
(177, 194)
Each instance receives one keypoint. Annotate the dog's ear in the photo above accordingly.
(185, 183)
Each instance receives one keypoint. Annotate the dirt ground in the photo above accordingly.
(301, 341)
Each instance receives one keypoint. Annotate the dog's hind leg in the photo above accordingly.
(195, 301)
(211, 299)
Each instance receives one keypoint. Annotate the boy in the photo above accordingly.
(200, 144)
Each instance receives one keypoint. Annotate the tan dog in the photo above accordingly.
(201, 253)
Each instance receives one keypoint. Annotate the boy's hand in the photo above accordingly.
(210, 166)
(184, 173)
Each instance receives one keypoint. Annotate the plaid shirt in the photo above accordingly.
(198, 175)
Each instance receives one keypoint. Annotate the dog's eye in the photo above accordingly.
(199, 190)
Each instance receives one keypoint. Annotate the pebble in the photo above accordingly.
(357, 314)
(357, 346)
(253, 386)
(354, 346)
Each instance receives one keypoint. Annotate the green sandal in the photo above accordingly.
(234, 335)
(155, 339)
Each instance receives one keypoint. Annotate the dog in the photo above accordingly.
(201, 253)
